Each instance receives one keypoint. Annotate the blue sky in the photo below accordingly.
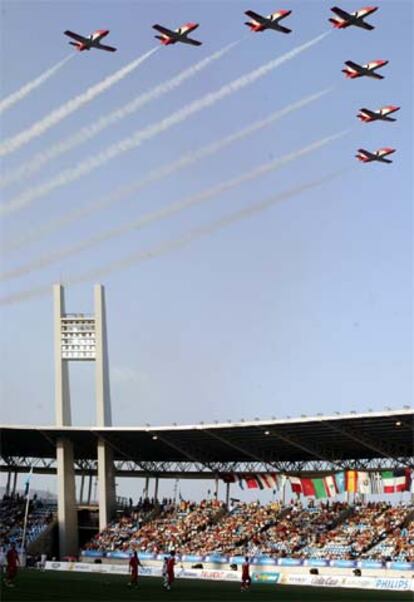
(304, 308)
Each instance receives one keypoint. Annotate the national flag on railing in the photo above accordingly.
(400, 480)
(340, 482)
(351, 481)
(364, 483)
(388, 481)
(295, 484)
(377, 486)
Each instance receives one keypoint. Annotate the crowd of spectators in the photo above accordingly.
(331, 530)
(238, 527)
(396, 537)
(167, 525)
(360, 531)
(12, 513)
(299, 528)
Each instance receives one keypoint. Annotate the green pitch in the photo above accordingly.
(59, 585)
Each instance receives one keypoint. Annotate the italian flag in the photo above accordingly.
(388, 481)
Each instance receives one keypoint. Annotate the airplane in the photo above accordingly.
(379, 155)
(92, 41)
(260, 23)
(169, 36)
(353, 70)
(382, 114)
(357, 18)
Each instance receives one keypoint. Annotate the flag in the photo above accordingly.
(295, 484)
(27, 483)
(319, 487)
(377, 485)
(400, 480)
(269, 480)
(340, 482)
(330, 486)
(351, 477)
(411, 480)
(364, 483)
(388, 481)
(241, 484)
(307, 487)
(252, 482)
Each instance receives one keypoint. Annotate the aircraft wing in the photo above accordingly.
(76, 36)
(107, 48)
(191, 41)
(283, 29)
(353, 65)
(364, 12)
(256, 17)
(164, 30)
(341, 13)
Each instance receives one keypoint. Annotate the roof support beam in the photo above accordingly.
(366, 442)
(182, 451)
(240, 449)
(307, 448)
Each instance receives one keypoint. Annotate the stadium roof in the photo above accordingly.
(339, 440)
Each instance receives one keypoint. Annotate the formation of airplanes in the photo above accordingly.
(258, 23)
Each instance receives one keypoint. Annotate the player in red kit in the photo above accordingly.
(246, 580)
(134, 563)
(170, 570)
(12, 559)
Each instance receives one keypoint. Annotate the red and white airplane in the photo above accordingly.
(379, 155)
(382, 114)
(345, 19)
(260, 23)
(169, 36)
(92, 41)
(353, 70)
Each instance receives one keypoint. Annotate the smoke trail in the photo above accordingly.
(165, 212)
(38, 128)
(85, 167)
(172, 245)
(157, 174)
(89, 131)
(17, 96)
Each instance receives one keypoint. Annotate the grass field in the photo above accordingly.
(54, 586)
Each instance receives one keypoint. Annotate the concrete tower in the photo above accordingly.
(81, 337)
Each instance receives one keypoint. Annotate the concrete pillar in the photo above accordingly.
(62, 392)
(103, 401)
(106, 484)
(156, 488)
(67, 510)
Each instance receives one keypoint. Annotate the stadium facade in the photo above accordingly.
(311, 446)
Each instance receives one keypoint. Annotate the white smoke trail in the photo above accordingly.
(166, 212)
(171, 245)
(87, 166)
(12, 144)
(157, 174)
(17, 96)
(89, 131)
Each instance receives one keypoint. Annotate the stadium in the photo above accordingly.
(230, 182)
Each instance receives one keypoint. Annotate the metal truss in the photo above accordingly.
(193, 470)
